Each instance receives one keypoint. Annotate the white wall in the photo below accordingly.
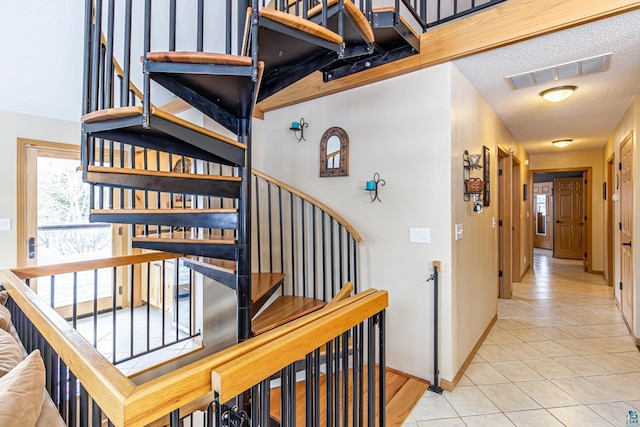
(14, 126)
(400, 129)
(42, 54)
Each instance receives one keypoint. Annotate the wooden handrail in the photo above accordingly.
(322, 206)
(242, 372)
(184, 385)
(127, 404)
(25, 273)
(108, 387)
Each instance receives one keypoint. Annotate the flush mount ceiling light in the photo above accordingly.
(562, 143)
(557, 94)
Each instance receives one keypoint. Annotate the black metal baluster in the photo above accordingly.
(303, 260)
(172, 25)
(382, 367)
(314, 228)
(126, 61)
(95, 308)
(259, 227)
(114, 307)
(200, 35)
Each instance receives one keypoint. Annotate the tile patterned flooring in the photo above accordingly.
(559, 355)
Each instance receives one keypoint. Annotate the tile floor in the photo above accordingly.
(559, 355)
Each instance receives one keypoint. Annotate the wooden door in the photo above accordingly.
(568, 215)
(626, 230)
(53, 226)
(516, 197)
(542, 216)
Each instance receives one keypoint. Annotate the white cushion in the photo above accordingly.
(10, 353)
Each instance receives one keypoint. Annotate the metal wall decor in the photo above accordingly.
(486, 168)
(334, 153)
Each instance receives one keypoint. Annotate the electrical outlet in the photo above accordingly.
(459, 231)
(5, 224)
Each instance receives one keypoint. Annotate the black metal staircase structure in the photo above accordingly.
(187, 189)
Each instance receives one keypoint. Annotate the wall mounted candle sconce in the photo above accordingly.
(299, 127)
(372, 187)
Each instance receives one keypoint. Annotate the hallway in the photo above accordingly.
(559, 354)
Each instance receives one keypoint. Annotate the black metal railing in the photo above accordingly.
(441, 11)
(156, 311)
(67, 392)
(299, 236)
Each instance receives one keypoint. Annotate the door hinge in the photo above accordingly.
(620, 285)
(585, 182)
(585, 217)
(620, 225)
(119, 290)
(499, 172)
(499, 273)
(585, 254)
(620, 166)
(499, 223)
(120, 231)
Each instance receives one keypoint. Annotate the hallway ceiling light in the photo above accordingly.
(562, 143)
(557, 94)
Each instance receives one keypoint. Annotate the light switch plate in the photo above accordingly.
(5, 224)
(419, 235)
(458, 231)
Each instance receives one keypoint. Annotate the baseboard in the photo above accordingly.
(600, 272)
(399, 372)
(450, 385)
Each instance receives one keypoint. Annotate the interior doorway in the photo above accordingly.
(543, 215)
(568, 213)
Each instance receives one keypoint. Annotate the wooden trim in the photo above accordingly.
(104, 382)
(232, 378)
(126, 171)
(301, 24)
(320, 205)
(200, 58)
(450, 385)
(510, 22)
(70, 267)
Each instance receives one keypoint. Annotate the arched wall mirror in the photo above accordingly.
(334, 153)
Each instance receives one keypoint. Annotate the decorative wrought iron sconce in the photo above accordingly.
(299, 126)
(372, 187)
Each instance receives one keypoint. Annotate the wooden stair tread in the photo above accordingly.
(301, 24)
(401, 405)
(262, 283)
(284, 309)
(124, 112)
(126, 171)
(200, 58)
(356, 15)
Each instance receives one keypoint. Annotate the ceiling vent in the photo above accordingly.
(595, 64)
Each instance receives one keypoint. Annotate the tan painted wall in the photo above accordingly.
(14, 126)
(629, 123)
(583, 159)
(474, 280)
(401, 129)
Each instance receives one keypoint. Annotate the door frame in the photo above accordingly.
(627, 288)
(608, 193)
(505, 284)
(588, 199)
(516, 221)
(25, 179)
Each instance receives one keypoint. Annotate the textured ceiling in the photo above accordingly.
(591, 114)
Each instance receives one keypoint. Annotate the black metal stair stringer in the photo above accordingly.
(196, 247)
(179, 218)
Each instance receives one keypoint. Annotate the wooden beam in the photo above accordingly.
(508, 23)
